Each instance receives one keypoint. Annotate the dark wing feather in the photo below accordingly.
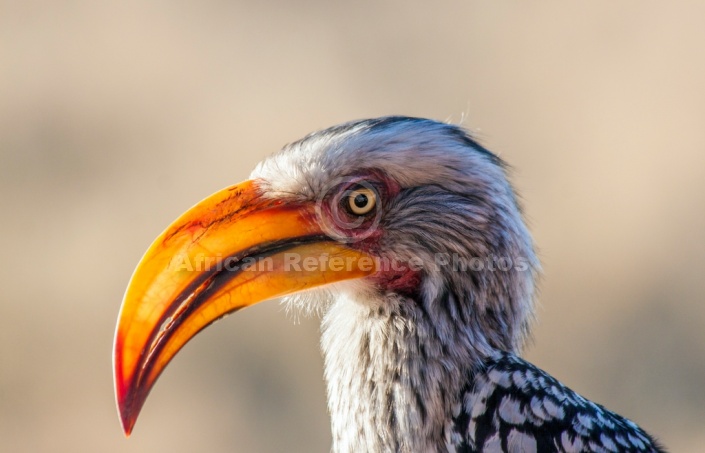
(510, 405)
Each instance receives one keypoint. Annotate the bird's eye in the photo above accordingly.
(361, 200)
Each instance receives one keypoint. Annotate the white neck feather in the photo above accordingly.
(392, 383)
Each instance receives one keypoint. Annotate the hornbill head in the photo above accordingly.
(384, 213)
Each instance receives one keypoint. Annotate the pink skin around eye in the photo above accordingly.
(361, 230)
(392, 276)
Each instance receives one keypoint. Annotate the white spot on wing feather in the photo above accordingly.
(537, 408)
(493, 444)
(553, 409)
(500, 378)
(510, 411)
(608, 443)
(575, 445)
(519, 441)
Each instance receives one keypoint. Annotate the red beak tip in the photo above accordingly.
(127, 412)
(127, 424)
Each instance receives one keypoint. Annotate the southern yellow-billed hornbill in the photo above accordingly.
(407, 234)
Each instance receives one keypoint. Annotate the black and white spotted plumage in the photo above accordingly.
(431, 365)
(510, 405)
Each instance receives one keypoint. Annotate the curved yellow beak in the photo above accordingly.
(231, 250)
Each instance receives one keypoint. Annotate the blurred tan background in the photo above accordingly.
(115, 119)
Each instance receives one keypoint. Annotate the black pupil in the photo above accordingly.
(360, 200)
